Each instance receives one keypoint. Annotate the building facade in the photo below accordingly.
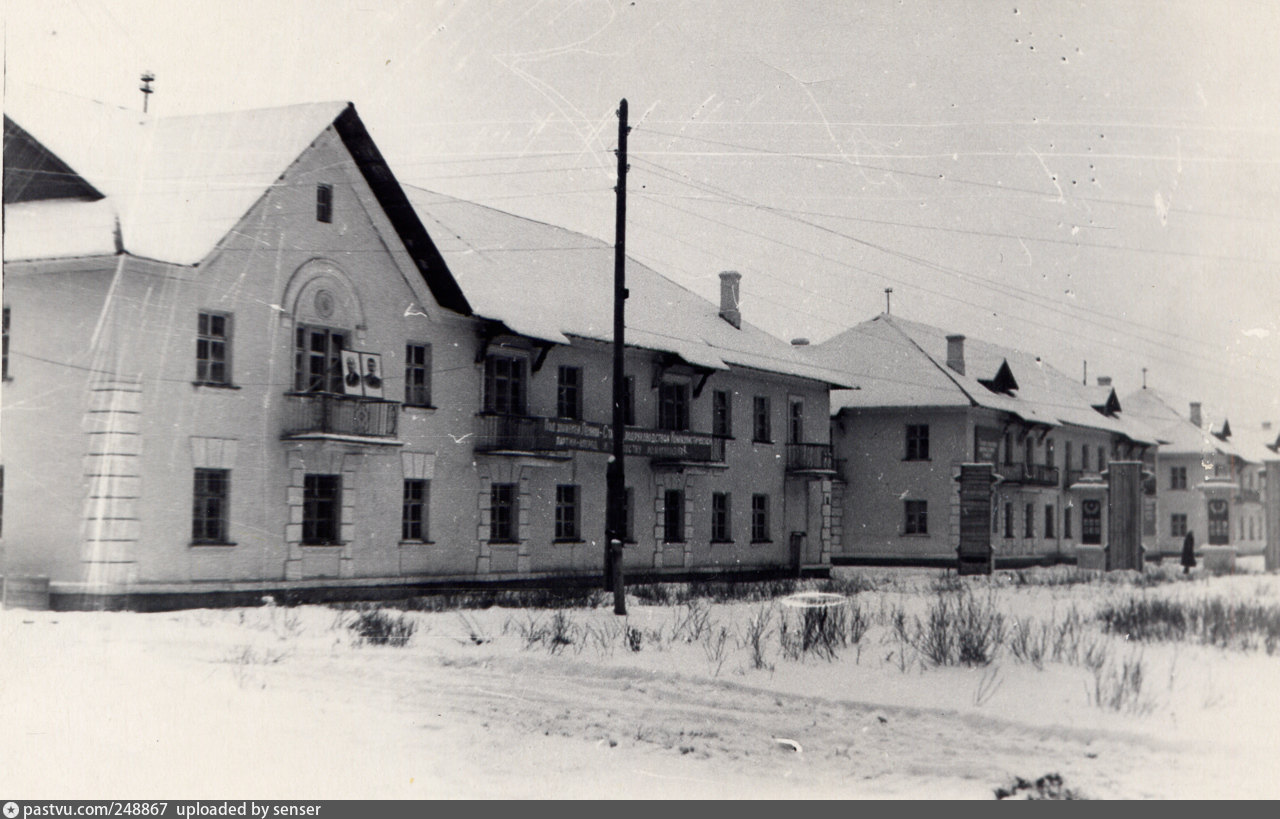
(296, 382)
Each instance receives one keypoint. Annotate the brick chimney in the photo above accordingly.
(1104, 381)
(955, 353)
(729, 297)
(1195, 413)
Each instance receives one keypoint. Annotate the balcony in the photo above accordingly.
(810, 459)
(1029, 474)
(515, 435)
(311, 415)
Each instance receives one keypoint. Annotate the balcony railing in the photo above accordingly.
(513, 433)
(1033, 474)
(811, 458)
(328, 414)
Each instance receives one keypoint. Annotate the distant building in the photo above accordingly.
(241, 357)
(927, 402)
(1209, 484)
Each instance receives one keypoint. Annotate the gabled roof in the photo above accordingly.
(178, 185)
(901, 363)
(1178, 435)
(553, 284)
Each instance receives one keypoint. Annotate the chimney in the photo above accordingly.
(955, 353)
(1195, 413)
(729, 311)
(1104, 381)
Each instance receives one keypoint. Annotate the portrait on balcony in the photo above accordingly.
(352, 380)
(371, 374)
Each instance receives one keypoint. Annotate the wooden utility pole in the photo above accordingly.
(615, 477)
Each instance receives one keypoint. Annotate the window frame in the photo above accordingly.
(1050, 515)
(795, 420)
(917, 442)
(721, 517)
(304, 380)
(569, 382)
(673, 528)
(1178, 524)
(314, 523)
(1029, 522)
(1066, 523)
(514, 384)
(761, 420)
(324, 202)
(674, 406)
(722, 413)
(760, 523)
(417, 375)
(568, 524)
(415, 511)
(202, 495)
(1008, 519)
(207, 341)
(505, 527)
(1177, 478)
(915, 516)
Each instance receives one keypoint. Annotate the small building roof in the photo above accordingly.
(553, 284)
(1177, 435)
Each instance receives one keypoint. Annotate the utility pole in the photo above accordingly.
(615, 478)
(146, 89)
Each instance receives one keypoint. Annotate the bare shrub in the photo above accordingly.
(692, 621)
(376, 627)
(713, 646)
(960, 630)
(1029, 642)
(1119, 687)
(1048, 787)
(759, 625)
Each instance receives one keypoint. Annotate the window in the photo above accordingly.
(413, 518)
(720, 532)
(761, 432)
(1084, 457)
(502, 513)
(1029, 522)
(4, 348)
(629, 401)
(917, 517)
(324, 203)
(759, 518)
(569, 393)
(1048, 452)
(209, 513)
(673, 516)
(213, 348)
(795, 417)
(318, 360)
(1066, 457)
(1177, 477)
(417, 375)
(1178, 525)
(673, 406)
(1029, 450)
(1102, 459)
(1066, 523)
(721, 414)
(1048, 520)
(567, 512)
(321, 510)
(504, 385)
(1008, 520)
(917, 442)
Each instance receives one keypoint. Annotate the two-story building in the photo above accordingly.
(928, 402)
(240, 359)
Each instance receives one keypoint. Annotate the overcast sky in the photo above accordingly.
(1083, 181)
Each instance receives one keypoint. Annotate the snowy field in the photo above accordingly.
(691, 698)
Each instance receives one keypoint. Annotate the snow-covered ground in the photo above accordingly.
(276, 702)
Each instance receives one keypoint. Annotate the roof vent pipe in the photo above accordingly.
(1195, 413)
(729, 297)
(955, 353)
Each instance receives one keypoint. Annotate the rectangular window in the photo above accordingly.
(324, 203)
(1084, 457)
(213, 348)
(760, 519)
(673, 516)
(1048, 452)
(567, 512)
(318, 360)
(321, 510)
(629, 401)
(1066, 523)
(721, 414)
(1102, 459)
(209, 514)
(761, 432)
(4, 348)
(720, 532)
(1178, 525)
(1008, 520)
(1066, 456)
(417, 375)
(502, 513)
(917, 442)
(795, 417)
(1008, 447)
(1029, 450)
(673, 406)
(1177, 477)
(1048, 520)
(1030, 521)
(413, 517)
(504, 385)
(569, 393)
(916, 514)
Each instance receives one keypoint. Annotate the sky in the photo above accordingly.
(1094, 183)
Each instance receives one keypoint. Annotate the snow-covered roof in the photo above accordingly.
(59, 229)
(179, 184)
(901, 363)
(1177, 435)
(553, 284)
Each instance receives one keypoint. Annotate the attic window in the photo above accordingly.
(324, 203)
